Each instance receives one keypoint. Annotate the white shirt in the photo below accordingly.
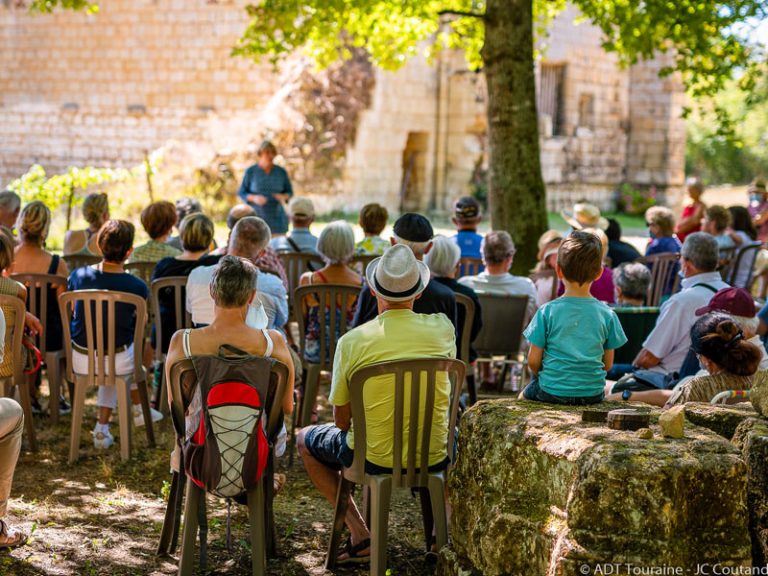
(503, 284)
(671, 338)
(271, 310)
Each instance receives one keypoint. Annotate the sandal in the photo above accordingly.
(278, 481)
(353, 552)
(10, 539)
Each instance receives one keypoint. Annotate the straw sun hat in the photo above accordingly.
(397, 276)
(584, 215)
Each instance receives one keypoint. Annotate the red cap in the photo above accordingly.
(734, 301)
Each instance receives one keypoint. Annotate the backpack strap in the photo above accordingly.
(185, 343)
(292, 242)
(270, 344)
(54, 264)
(707, 286)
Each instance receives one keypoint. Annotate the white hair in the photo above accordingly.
(443, 257)
(336, 243)
(748, 325)
(418, 248)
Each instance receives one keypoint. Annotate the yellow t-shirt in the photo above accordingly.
(394, 335)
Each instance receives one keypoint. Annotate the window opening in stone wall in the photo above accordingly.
(550, 97)
(587, 111)
(413, 189)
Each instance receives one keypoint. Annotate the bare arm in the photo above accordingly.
(653, 397)
(535, 355)
(281, 353)
(608, 359)
(645, 359)
(342, 416)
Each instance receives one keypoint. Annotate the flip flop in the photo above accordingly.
(10, 539)
(352, 552)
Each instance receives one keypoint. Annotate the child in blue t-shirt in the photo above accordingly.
(573, 337)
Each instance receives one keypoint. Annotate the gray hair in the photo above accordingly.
(662, 217)
(9, 201)
(701, 250)
(336, 243)
(633, 278)
(497, 247)
(250, 235)
(418, 248)
(233, 281)
(443, 257)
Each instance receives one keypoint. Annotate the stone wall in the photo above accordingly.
(79, 89)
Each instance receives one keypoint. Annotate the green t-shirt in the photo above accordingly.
(394, 335)
(574, 333)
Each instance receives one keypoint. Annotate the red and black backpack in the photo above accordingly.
(226, 447)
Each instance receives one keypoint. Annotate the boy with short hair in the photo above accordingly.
(573, 338)
(466, 217)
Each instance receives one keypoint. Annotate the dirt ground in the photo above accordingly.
(102, 516)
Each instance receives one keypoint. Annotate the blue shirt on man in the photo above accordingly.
(88, 278)
(574, 334)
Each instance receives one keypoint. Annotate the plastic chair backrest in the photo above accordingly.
(37, 300)
(15, 331)
(360, 263)
(745, 254)
(468, 305)
(141, 270)
(547, 274)
(183, 318)
(80, 260)
(330, 297)
(417, 436)
(662, 269)
(725, 396)
(184, 381)
(504, 319)
(296, 263)
(637, 323)
(99, 310)
(470, 266)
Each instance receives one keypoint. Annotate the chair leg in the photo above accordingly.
(269, 510)
(26, 405)
(427, 517)
(342, 503)
(258, 537)
(177, 519)
(471, 388)
(187, 560)
(78, 407)
(124, 417)
(170, 517)
(148, 424)
(202, 520)
(309, 398)
(163, 392)
(381, 492)
(54, 386)
(439, 511)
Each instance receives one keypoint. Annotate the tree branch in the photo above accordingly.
(461, 13)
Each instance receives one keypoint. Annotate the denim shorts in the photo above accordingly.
(534, 392)
(328, 445)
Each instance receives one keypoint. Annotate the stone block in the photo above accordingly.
(751, 437)
(723, 419)
(536, 491)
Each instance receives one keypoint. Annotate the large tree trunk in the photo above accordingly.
(516, 187)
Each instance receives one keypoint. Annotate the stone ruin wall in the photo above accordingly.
(100, 90)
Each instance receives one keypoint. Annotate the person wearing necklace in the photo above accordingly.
(115, 242)
(267, 188)
(95, 212)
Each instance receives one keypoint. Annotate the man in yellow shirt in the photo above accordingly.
(397, 333)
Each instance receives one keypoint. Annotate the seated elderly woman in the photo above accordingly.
(232, 289)
(731, 361)
(337, 246)
(631, 281)
(443, 261)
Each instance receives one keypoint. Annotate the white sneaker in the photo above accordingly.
(138, 415)
(102, 440)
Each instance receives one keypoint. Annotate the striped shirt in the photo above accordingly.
(704, 388)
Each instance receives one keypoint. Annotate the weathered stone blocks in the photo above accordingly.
(535, 491)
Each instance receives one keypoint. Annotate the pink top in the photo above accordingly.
(602, 288)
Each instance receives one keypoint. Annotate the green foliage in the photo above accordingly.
(60, 189)
(47, 6)
(635, 201)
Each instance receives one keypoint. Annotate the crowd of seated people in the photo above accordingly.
(706, 338)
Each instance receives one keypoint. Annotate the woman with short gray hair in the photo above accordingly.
(631, 280)
(232, 290)
(336, 245)
(443, 261)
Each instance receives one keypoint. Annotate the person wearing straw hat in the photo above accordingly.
(583, 216)
(396, 280)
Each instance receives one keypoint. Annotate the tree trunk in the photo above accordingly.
(515, 186)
